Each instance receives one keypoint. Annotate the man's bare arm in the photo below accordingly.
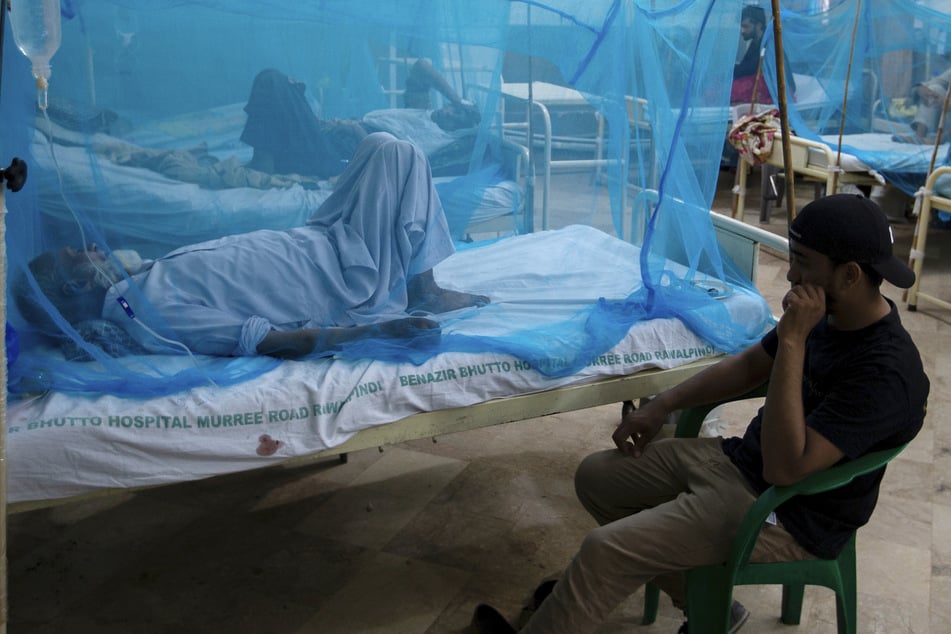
(791, 450)
(424, 72)
(733, 376)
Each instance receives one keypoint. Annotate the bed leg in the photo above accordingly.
(344, 458)
(771, 186)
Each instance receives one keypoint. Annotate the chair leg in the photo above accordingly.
(845, 621)
(709, 598)
(846, 601)
(651, 603)
(792, 603)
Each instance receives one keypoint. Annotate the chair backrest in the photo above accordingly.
(825, 480)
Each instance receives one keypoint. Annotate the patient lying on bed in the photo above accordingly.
(360, 268)
(288, 138)
(195, 165)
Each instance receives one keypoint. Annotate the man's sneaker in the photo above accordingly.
(488, 620)
(531, 606)
(738, 618)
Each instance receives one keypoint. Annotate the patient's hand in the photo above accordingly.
(290, 344)
(909, 138)
(405, 328)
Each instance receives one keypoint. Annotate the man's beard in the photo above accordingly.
(105, 274)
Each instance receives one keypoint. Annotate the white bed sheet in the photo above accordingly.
(902, 157)
(219, 129)
(62, 445)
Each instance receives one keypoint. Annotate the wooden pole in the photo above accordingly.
(845, 99)
(940, 131)
(740, 161)
(784, 113)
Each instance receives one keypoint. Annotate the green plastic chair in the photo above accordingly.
(710, 588)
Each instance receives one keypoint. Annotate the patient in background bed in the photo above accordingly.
(360, 268)
(195, 165)
(288, 138)
(930, 98)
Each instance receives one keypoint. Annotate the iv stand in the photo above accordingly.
(14, 178)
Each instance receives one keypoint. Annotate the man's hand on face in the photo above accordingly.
(803, 306)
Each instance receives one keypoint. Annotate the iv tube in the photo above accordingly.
(37, 33)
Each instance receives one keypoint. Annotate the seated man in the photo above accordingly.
(845, 379)
(745, 71)
(363, 261)
(752, 29)
(288, 138)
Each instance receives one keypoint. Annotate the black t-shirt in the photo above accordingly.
(863, 390)
(747, 66)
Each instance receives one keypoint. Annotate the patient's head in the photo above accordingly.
(73, 280)
(752, 22)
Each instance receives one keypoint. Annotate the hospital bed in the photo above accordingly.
(63, 446)
(148, 210)
(814, 161)
(818, 162)
(544, 99)
(936, 196)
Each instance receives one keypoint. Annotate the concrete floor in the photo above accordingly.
(409, 539)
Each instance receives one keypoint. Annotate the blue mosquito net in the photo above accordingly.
(152, 136)
(857, 68)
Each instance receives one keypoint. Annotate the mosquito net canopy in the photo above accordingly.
(233, 164)
(873, 74)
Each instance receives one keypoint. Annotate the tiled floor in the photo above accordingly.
(409, 539)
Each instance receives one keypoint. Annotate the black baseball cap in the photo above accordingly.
(851, 228)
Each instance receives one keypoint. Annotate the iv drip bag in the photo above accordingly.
(37, 31)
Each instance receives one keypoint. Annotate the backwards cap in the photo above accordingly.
(851, 228)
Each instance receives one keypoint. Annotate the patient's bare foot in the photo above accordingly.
(444, 301)
(425, 295)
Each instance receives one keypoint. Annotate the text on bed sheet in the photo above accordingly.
(309, 411)
(138, 422)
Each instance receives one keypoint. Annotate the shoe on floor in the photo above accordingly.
(532, 604)
(738, 618)
(488, 620)
(541, 592)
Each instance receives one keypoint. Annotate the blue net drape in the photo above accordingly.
(175, 76)
(867, 90)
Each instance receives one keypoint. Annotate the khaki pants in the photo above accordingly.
(676, 507)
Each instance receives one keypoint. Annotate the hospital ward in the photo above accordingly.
(448, 317)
